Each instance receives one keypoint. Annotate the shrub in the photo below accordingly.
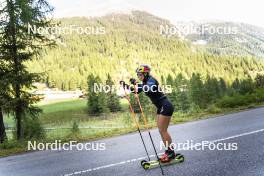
(194, 108)
(235, 101)
(259, 95)
(33, 128)
(213, 109)
(75, 127)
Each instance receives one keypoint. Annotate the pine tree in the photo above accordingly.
(134, 103)
(236, 85)
(246, 86)
(92, 100)
(173, 94)
(113, 102)
(223, 87)
(145, 101)
(259, 80)
(182, 100)
(96, 100)
(19, 46)
(211, 90)
(196, 90)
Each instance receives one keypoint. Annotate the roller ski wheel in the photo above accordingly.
(145, 164)
(179, 157)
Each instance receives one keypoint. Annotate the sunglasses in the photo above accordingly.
(140, 74)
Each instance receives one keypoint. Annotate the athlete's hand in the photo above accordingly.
(133, 81)
(122, 83)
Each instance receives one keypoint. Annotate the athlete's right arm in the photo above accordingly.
(132, 87)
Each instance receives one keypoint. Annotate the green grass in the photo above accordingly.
(62, 106)
(61, 115)
(54, 112)
(65, 113)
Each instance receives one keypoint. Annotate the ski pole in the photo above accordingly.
(146, 126)
(136, 122)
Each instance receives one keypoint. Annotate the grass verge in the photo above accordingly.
(59, 117)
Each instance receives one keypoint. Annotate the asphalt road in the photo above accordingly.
(122, 154)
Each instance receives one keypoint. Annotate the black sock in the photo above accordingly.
(170, 150)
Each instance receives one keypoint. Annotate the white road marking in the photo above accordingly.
(142, 158)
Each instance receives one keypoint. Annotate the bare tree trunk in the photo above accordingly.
(2, 127)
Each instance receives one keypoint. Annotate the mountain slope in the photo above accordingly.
(128, 40)
(232, 38)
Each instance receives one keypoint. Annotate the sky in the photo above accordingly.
(246, 11)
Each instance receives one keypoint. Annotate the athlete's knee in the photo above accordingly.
(163, 130)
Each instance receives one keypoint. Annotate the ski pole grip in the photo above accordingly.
(122, 83)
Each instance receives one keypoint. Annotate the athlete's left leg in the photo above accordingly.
(163, 124)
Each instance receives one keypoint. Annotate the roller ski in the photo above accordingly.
(164, 160)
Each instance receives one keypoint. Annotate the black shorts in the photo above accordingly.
(165, 107)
